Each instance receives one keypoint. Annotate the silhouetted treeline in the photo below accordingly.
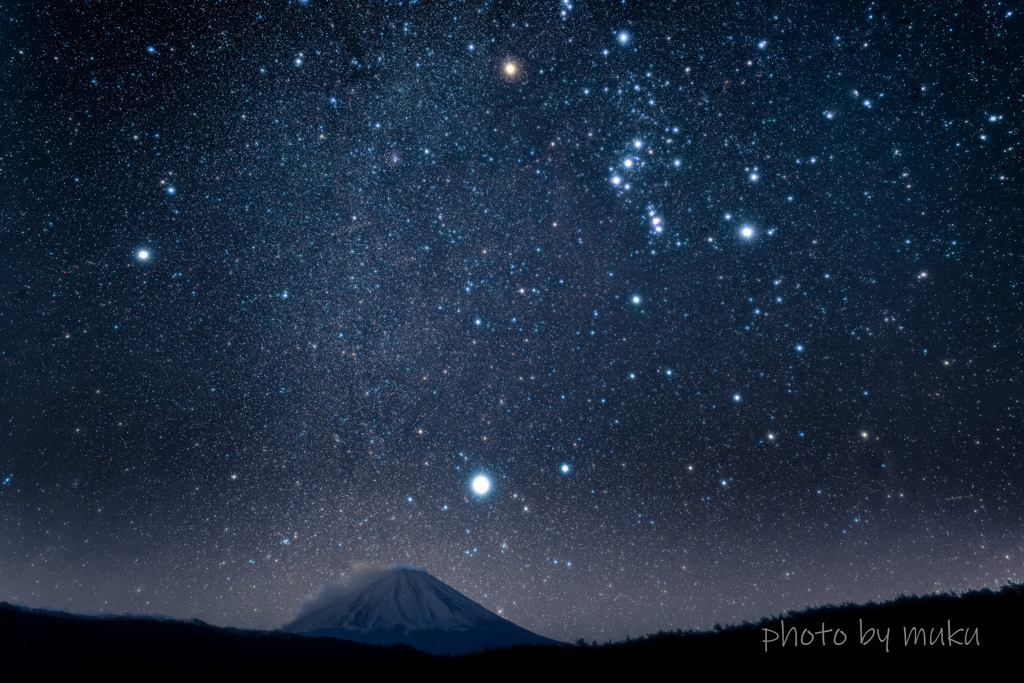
(928, 633)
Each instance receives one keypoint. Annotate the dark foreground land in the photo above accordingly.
(933, 633)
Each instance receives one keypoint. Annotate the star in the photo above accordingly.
(510, 69)
(481, 485)
(442, 236)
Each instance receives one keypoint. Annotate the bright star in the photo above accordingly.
(481, 485)
(143, 255)
(747, 232)
(636, 299)
(510, 68)
(623, 37)
(564, 468)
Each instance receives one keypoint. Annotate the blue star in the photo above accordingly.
(481, 485)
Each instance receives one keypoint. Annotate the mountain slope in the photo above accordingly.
(404, 604)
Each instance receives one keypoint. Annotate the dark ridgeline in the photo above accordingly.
(42, 643)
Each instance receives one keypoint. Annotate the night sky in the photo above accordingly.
(723, 300)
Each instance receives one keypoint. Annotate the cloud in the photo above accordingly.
(359, 577)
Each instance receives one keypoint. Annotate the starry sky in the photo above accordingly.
(722, 300)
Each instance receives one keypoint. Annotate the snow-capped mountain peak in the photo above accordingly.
(405, 604)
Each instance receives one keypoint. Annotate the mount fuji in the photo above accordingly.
(405, 604)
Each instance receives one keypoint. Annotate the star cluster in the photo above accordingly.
(615, 317)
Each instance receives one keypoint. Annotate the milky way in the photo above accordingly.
(723, 301)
